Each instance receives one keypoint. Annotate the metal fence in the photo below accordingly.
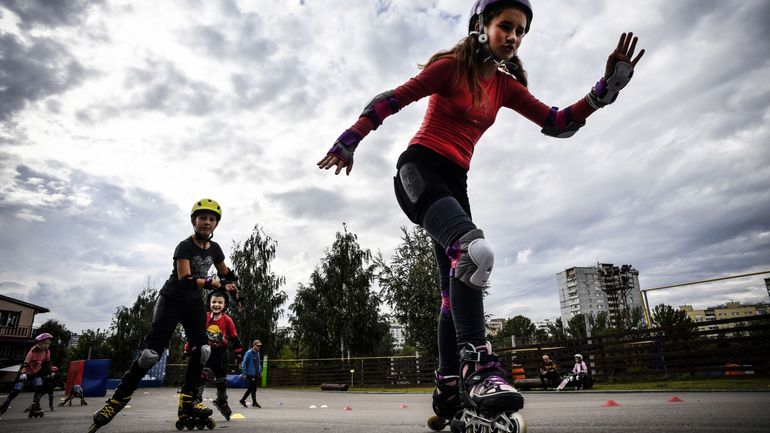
(707, 349)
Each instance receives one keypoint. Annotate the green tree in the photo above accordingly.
(521, 328)
(557, 331)
(129, 328)
(541, 335)
(337, 313)
(636, 318)
(61, 339)
(600, 324)
(410, 285)
(577, 326)
(260, 291)
(665, 316)
(91, 345)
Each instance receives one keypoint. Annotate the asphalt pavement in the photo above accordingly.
(154, 410)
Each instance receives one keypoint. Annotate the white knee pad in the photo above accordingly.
(147, 358)
(475, 265)
(205, 353)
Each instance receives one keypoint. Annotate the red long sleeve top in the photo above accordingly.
(452, 125)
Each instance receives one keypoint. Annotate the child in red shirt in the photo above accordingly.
(221, 333)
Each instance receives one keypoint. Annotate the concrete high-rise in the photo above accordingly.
(591, 290)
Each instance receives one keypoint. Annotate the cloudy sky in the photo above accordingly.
(115, 116)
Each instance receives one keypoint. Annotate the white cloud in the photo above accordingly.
(128, 112)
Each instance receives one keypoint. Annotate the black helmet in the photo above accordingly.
(480, 6)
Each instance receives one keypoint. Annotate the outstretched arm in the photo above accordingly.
(617, 74)
(431, 79)
(563, 123)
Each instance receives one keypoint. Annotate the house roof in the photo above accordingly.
(37, 308)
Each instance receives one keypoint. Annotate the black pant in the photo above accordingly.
(217, 363)
(550, 378)
(252, 390)
(170, 310)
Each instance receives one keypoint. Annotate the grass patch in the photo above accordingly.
(706, 383)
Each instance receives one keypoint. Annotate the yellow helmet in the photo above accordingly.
(206, 204)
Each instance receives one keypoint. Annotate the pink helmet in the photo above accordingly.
(44, 336)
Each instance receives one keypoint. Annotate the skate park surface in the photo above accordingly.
(154, 410)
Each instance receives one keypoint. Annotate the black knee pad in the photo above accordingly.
(410, 187)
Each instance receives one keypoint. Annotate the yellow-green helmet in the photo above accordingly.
(206, 204)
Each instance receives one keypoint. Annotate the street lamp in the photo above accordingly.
(351, 377)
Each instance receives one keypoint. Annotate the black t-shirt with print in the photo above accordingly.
(201, 262)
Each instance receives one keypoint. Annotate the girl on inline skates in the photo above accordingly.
(467, 85)
(37, 364)
(181, 301)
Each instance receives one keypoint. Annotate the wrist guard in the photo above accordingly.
(345, 145)
(607, 88)
(229, 278)
(560, 124)
(382, 106)
(188, 283)
(235, 344)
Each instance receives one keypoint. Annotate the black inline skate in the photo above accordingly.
(35, 411)
(489, 403)
(111, 408)
(193, 415)
(223, 407)
(446, 401)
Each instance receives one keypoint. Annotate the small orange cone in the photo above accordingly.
(404, 406)
(675, 399)
(347, 408)
(610, 403)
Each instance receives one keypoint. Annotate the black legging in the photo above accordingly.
(446, 221)
(170, 310)
(252, 390)
(432, 191)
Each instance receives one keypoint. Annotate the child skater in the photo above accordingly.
(221, 332)
(37, 364)
(181, 301)
(467, 86)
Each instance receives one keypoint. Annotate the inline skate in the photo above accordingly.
(193, 415)
(446, 401)
(223, 407)
(35, 411)
(489, 403)
(111, 408)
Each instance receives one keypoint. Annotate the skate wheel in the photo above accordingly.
(179, 425)
(436, 423)
(457, 426)
(519, 422)
(190, 424)
(210, 423)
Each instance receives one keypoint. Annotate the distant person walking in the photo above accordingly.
(251, 366)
